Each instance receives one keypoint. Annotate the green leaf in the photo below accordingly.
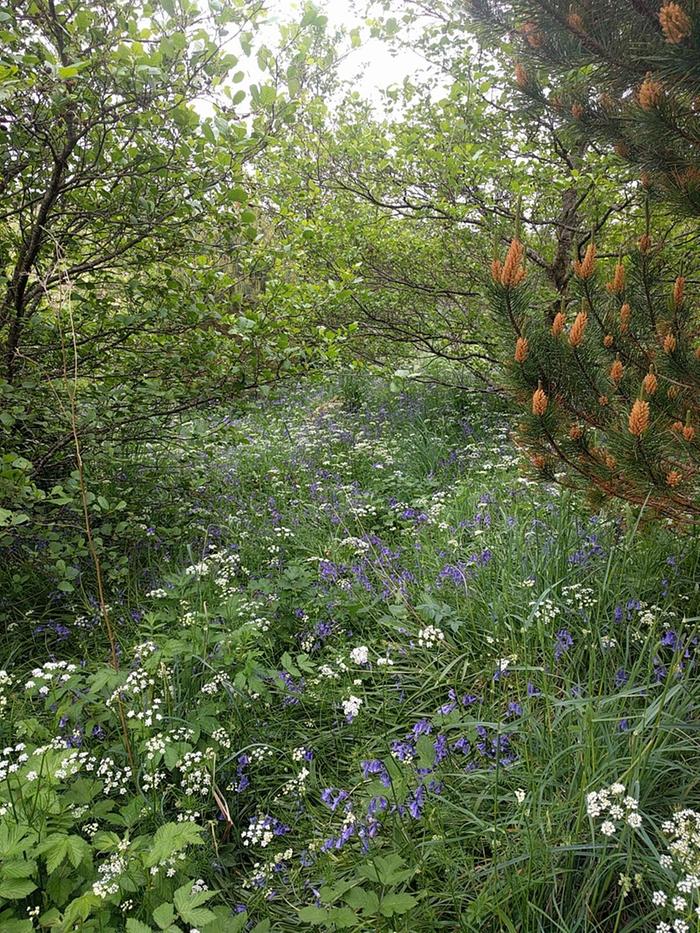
(171, 838)
(65, 72)
(136, 926)
(18, 868)
(316, 916)
(360, 899)
(343, 917)
(188, 905)
(164, 915)
(289, 666)
(77, 849)
(15, 888)
(396, 904)
(17, 926)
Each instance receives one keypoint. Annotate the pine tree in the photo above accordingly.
(621, 73)
(609, 386)
(609, 379)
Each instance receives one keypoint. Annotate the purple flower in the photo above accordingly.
(422, 727)
(416, 802)
(375, 766)
(670, 640)
(563, 643)
(441, 749)
(333, 797)
(404, 751)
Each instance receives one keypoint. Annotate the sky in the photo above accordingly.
(372, 63)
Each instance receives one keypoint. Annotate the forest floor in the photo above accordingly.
(395, 685)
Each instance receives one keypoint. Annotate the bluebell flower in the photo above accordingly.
(375, 766)
(563, 643)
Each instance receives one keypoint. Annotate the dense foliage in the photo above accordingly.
(304, 619)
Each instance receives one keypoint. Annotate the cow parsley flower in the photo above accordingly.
(351, 707)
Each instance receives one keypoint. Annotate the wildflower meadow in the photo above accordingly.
(349, 466)
(385, 682)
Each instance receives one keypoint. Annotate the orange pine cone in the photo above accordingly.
(678, 291)
(618, 282)
(608, 341)
(513, 272)
(576, 432)
(617, 371)
(645, 179)
(559, 322)
(688, 432)
(645, 243)
(578, 329)
(677, 426)
(650, 93)
(586, 267)
(650, 383)
(521, 350)
(539, 402)
(603, 400)
(575, 22)
(521, 76)
(577, 111)
(675, 23)
(638, 420)
(532, 35)
(538, 461)
(496, 270)
(673, 478)
(625, 314)
(670, 343)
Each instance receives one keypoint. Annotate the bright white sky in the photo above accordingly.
(372, 63)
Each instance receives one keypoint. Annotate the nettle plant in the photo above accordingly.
(608, 377)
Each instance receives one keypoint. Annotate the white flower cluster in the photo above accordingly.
(430, 636)
(615, 806)
(138, 682)
(360, 655)
(110, 871)
(7, 765)
(259, 832)
(573, 598)
(189, 816)
(683, 862)
(6, 682)
(144, 650)
(195, 769)
(74, 762)
(149, 715)
(351, 707)
(295, 785)
(218, 682)
(152, 780)
(222, 737)
(49, 675)
(169, 864)
(115, 778)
